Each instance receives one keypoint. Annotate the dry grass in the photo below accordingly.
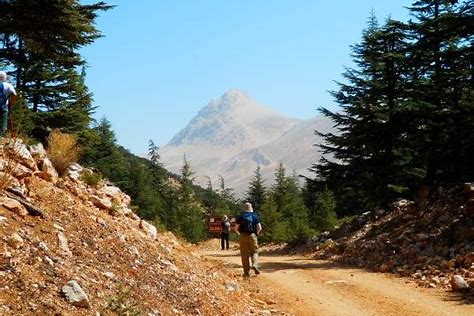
(62, 150)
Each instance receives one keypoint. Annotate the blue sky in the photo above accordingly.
(162, 60)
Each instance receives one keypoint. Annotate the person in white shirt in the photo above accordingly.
(7, 99)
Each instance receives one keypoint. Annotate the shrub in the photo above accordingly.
(114, 209)
(91, 178)
(62, 150)
(123, 304)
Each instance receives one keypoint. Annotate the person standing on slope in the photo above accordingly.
(225, 225)
(7, 99)
(248, 227)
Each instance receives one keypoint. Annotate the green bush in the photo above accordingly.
(122, 304)
(91, 178)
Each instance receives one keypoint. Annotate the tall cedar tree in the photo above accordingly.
(321, 205)
(286, 209)
(256, 191)
(369, 148)
(190, 215)
(442, 90)
(103, 154)
(41, 51)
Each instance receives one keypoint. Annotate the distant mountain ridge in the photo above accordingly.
(232, 135)
(232, 120)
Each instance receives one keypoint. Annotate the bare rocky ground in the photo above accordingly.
(307, 287)
(82, 251)
(430, 245)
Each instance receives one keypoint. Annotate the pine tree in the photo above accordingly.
(256, 191)
(442, 53)
(141, 189)
(156, 168)
(227, 194)
(322, 213)
(369, 147)
(41, 51)
(190, 215)
(287, 206)
(102, 153)
(271, 220)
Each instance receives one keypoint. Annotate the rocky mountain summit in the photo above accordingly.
(233, 135)
(233, 121)
(68, 248)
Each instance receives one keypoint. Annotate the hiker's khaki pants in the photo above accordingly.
(248, 249)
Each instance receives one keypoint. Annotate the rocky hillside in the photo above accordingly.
(432, 243)
(233, 135)
(72, 249)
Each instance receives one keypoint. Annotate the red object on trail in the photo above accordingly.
(12, 132)
(214, 224)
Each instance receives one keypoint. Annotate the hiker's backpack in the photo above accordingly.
(3, 98)
(248, 223)
(225, 226)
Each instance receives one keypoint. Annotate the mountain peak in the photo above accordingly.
(233, 120)
(232, 94)
(231, 100)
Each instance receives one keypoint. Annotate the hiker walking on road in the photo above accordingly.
(248, 227)
(7, 99)
(225, 225)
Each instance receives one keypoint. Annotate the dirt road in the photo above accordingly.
(309, 287)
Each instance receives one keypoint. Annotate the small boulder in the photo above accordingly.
(74, 171)
(232, 287)
(15, 241)
(327, 244)
(48, 172)
(75, 295)
(148, 228)
(133, 216)
(13, 205)
(102, 203)
(21, 172)
(23, 154)
(111, 191)
(403, 205)
(63, 244)
(37, 151)
(43, 246)
(458, 283)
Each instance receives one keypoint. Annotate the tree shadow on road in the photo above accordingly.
(223, 255)
(459, 297)
(298, 264)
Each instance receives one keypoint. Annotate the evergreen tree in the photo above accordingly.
(156, 168)
(41, 50)
(256, 191)
(442, 54)
(140, 187)
(190, 215)
(271, 220)
(286, 205)
(369, 147)
(322, 213)
(227, 194)
(102, 153)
